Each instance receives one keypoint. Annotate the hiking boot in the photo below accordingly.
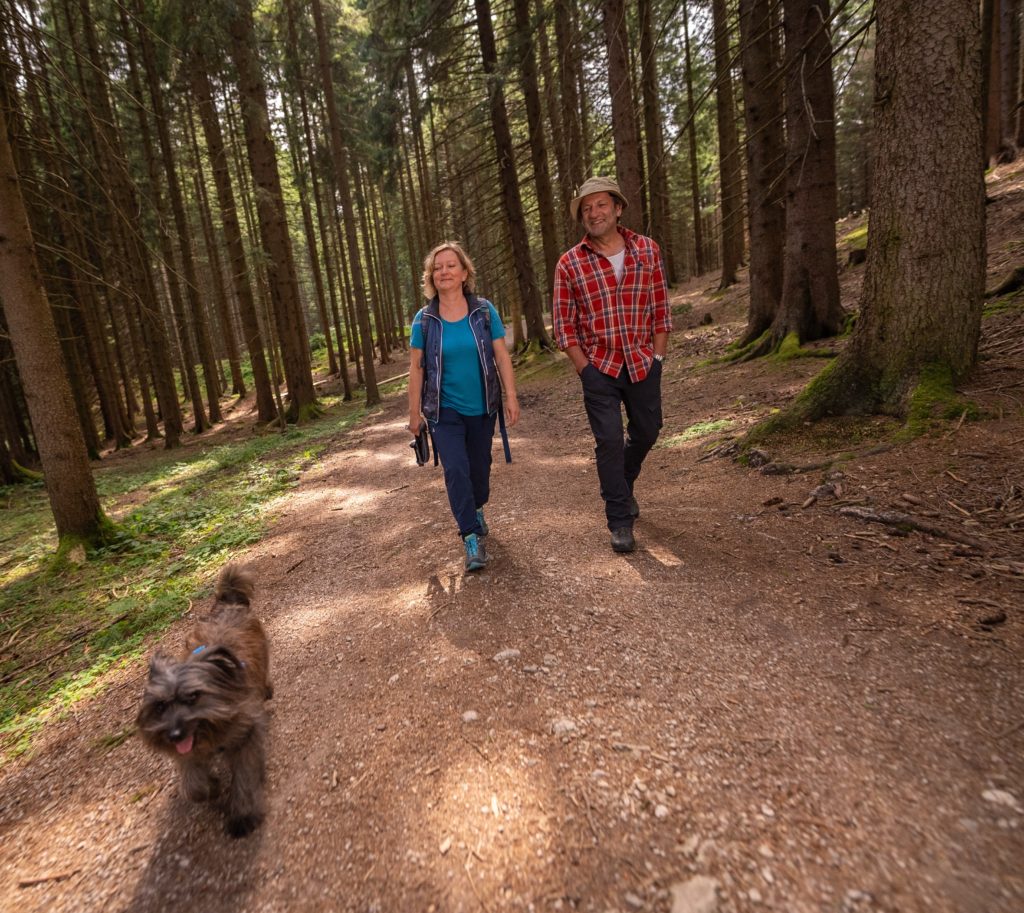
(634, 508)
(476, 557)
(483, 523)
(622, 539)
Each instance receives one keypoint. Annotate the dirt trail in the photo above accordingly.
(792, 703)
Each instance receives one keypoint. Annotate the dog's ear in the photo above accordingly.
(224, 660)
(159, 664)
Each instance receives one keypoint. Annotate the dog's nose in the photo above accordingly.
(176, 734)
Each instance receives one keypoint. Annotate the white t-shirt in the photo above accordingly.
(618, 262)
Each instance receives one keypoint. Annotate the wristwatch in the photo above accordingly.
(658, 357)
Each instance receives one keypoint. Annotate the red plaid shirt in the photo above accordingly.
(614, 324)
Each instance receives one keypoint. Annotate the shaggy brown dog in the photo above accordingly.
(209, 704)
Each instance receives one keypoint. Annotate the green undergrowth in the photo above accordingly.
(696, 431)
(934, 402)
(65, 627)
(857, 239)
(1004, 304)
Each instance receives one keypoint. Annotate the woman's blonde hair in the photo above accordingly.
(428, 268)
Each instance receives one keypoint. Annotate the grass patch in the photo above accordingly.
(65, 629)
(857, 239)
(682, 307)
(694, 432)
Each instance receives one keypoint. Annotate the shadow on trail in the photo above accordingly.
(193, 864)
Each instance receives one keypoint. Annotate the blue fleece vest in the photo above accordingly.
(433, 330)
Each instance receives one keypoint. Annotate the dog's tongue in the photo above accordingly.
(185, 745)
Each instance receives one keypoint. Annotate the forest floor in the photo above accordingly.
(770, 705)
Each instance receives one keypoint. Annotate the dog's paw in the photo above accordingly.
(242, 825)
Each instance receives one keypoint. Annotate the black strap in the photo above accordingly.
(504, 435)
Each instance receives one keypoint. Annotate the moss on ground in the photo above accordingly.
(934, 402)
(856, 239)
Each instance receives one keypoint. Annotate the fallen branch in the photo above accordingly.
(906, 521)
(43, 879)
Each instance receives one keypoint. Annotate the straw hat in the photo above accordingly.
(595, 185)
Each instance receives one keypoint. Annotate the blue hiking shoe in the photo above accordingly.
(476, 556)
(483, 523)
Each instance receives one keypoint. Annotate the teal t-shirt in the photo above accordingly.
(462, 381)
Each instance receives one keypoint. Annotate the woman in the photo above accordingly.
(458, 354)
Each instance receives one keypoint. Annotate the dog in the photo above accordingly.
(206, 710)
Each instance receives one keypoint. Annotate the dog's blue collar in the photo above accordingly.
(202, 647)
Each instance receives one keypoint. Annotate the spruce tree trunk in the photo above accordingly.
(212, 242)
(524, 31)
(197, 312)
(624, 127)
(156, 174)
(237, 264)
(430, 226)
(535, 331)
(69, 482)
(810, 305)
(330, 263)
(554, 121)
(766, 212)
(139, 299)
(306, 182)
(700, 257)
(565, 41)
(922, 296)
(273, 222)
(730, 179)
(661, 210)
(339, 156)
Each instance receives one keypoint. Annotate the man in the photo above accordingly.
(611, 317)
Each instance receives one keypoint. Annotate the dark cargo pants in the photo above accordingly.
(618, 460)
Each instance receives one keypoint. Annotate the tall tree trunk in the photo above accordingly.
(766, 151)
(661, 212)
(1009, 53)
(200, 325)
(992, 88)
(238, 267)
(212, 242)
(558, 128)
(535, 331)
(284, 292)
(141, 301)
(700, 261)
(565, 41)
(624, 126)
(305, 179)
(810, 286)
(430, 226)
(331, 266)
(339, 155)
(524, 31)
(730, 180)
(921, 302)
(69, 482)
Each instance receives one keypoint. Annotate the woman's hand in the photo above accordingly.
(415, 423)
(511, 410)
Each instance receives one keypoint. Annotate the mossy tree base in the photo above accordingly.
(72, 545)
(925, 399)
